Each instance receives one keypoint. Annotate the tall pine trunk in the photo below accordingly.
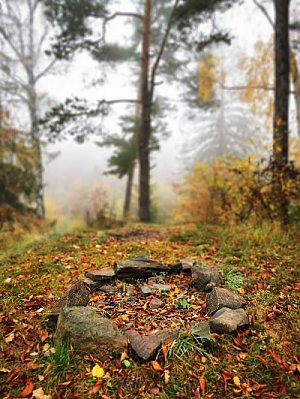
(145, 125)
(130, 174)
(281, 108)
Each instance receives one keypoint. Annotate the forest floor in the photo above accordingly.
(260, 361)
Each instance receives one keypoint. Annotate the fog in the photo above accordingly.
(80, 165)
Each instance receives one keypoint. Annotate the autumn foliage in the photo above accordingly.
(235, 190)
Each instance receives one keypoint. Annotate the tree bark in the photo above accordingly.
(295, 77)
(145, 126)
(281, 108)
(128, 192)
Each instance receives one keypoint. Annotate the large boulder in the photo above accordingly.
(205, 278)
(228, 320)
(89, 333)
(222, 297)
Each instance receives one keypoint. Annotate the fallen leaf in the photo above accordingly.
(124, 356)
(154, 391)
(4, 370)
(202, 385)
(45, 336)
(164, 352)
(97, 371)
(167, 377)
(156, 366)
(236, 381)
(27, 389)
(39, 394)
(10, 337)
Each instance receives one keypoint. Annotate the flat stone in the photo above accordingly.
(228, 320)
(156, 303)
(222, 297)
(77, 295)
(145, 290)
(205, 278)
(145, 346)
(130, 290)
(108, 289)
(101, 274)
(141, 269)
(162, 287)
(89, 333)
(187, 264)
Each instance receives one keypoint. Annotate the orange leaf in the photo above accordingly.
(155, 365)
(164, 352)
(202, 385)
(27, 389)
(44, 336)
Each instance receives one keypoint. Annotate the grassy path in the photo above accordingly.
(259, 362)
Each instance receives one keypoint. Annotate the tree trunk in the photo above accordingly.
(128, 192)
(33, 112)
(39, 170)
(281, 108)
(145, 126)
(130, 175)
(295, 76)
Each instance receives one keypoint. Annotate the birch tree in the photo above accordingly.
(23, 65)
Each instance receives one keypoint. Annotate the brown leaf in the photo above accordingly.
(28, 388)
(164, 352)
(45, 335)
(202, 385)
(155, 365)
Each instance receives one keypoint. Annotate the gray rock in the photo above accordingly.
(222, 297)
(77, 295)
(205, 278)
(187, 264)
(228, 320)
(156, 303)
(145, 346)
(142, 269)
(145, 290)
(101, 275)
(108, 289)
(130, 290)
(89, 333)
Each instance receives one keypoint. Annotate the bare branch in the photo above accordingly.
(119, 14)
(265, 12)
(45, 70)
(240, 88)
(162, 48)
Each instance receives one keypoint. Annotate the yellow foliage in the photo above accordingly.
(233, 190)
(207, 77)
(259, 72)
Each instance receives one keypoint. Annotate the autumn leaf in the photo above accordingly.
(202, 385)
(156, 366)
(164, 352)
(4, 370)
(236, 381)
(97, 371)
(39, 394)
(27, 389)
(10, 338)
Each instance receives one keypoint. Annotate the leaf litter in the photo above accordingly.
(260, 362)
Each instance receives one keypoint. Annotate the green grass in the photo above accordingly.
(261, 261)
